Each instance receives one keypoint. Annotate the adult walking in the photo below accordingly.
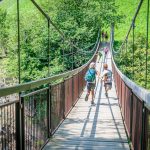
(90, 78)
(106, 51)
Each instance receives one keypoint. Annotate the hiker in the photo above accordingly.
(107, 78)
(105, 50)
(106, 36)
(103, 35)
(90, 78)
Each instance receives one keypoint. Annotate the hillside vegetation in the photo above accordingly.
(132, 58)
(79, 20)
(127, 9)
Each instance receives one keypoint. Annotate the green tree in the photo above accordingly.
(4, 26)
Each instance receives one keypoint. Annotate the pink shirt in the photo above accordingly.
(105, 49)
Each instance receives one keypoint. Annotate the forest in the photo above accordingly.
(79, 20)
(43, 50)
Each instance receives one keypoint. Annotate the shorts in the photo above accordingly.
(90, 86)
(108, 85)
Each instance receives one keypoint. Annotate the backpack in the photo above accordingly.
(108, 77)
(90, 75)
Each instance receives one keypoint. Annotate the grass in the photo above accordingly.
(126, 8)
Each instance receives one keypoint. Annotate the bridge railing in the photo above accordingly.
(29, 123)
(133, 99)
(45, 109)
(9, 125)
(133, 111)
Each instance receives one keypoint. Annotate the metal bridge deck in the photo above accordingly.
(93, 127)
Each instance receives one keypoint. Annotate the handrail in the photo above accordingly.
(8, 103)
(30, 85)
(134, 100)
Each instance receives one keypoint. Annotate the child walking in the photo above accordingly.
(107, 78)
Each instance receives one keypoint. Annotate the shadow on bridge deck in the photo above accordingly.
(93, 127)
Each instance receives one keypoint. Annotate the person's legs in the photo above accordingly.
(90, 88)
(88, 91)
(87, 95)
(108, 87)
(105, 58)
(92, 92)
(105, 85)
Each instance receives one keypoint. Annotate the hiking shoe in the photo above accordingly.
(106, 94)
(86, 97)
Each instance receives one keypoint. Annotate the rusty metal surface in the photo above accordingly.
(137, 123)
(132, 112)
(8, 128)
(147, 130)
(35, 119)
(56, 105)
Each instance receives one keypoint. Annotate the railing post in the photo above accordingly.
(131, 114)
(72, 90)
(121, 92)
(82, 80)
(124, 100)
(143, 126)
(18, 128)
(22, 123)
(49, 111)
(63, 96)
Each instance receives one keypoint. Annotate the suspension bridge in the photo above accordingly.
(98, 126)
(47, 115)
